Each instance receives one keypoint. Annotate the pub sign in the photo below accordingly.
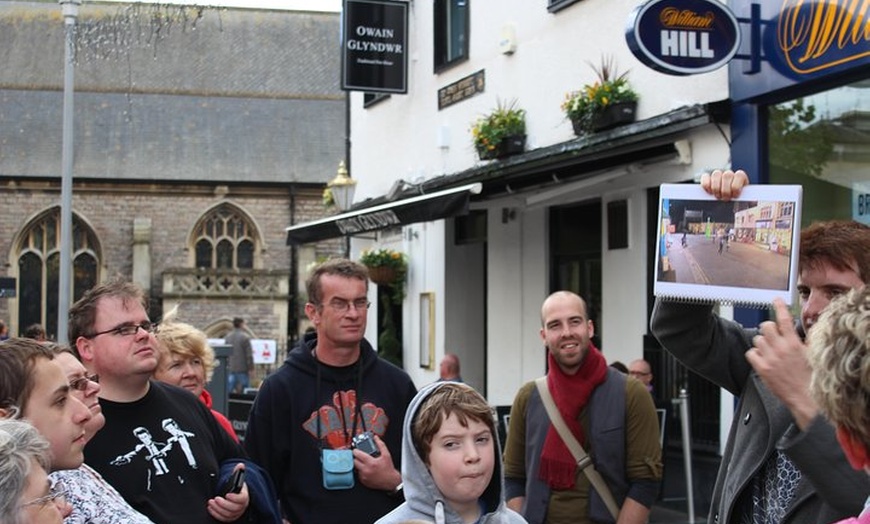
(374, 41)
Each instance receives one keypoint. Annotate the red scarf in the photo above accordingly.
(571, 393)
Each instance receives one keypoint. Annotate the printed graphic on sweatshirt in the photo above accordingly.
(337, 420)
(156, 452)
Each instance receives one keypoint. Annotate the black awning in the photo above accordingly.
(423, 208)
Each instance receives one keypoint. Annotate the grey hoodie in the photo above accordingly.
(423, 500)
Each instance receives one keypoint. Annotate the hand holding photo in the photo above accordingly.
(743, 251)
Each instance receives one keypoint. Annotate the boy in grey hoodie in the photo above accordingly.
(451, 461)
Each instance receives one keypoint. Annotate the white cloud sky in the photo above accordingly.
(290, 5)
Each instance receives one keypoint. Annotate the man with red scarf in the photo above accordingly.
(611, 415)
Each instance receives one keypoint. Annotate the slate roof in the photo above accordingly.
(240, 95)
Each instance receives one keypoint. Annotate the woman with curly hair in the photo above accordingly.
(187, 361)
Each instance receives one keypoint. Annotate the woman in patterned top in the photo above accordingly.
(92, 498)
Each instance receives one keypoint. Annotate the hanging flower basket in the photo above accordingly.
(387, 268)
(382, 275)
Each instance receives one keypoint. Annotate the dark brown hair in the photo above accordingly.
(83, 314)
(841, 244)
(334, 266)
(449, 398)
(18, 358)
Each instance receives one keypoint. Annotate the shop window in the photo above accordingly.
(821, 142)
(451, 32)
(224, 239)
(39, 269)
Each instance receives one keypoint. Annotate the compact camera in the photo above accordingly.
(365, 442)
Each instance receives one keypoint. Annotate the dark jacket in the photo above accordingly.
(263, 507)
(282, 432)
(715, 348)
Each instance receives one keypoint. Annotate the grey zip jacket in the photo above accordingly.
(423, 500)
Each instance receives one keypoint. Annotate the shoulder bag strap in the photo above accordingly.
(584, 462)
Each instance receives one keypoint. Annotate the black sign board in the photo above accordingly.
(461, 89)
(238, 409)
(374, 41)
(7, 287)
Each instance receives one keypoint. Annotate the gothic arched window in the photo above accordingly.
(224, 239)
(39, 269)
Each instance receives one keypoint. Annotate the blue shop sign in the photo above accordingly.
(683, 37)
(799, 41)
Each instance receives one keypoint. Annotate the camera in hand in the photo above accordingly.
(366, 442)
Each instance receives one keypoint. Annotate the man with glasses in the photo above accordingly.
(331, 402)
(641, 370)
(114, 337)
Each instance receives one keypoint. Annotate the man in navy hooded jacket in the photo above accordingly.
(331, 388)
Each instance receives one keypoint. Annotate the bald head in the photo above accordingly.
(563, 297)
(449, 368)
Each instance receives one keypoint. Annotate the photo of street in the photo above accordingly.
(735, 244)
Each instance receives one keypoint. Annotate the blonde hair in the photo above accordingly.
(840, 358)
(184, 340)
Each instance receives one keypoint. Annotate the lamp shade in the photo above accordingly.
(343, 188)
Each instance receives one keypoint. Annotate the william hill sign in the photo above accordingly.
(683, 37)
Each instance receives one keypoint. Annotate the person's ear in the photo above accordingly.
(85, 349)
(311, 313)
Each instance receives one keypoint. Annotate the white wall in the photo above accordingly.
(399, 138)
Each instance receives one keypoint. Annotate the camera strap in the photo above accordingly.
(357, 415)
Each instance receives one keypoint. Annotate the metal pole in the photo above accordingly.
(687, 451)
(70, 12)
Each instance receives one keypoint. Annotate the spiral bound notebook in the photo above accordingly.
(740, 252)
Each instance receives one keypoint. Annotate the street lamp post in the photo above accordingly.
(70, 10)
(343, 187)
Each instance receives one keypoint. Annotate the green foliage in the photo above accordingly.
(796, 142)
(392, 259)
(609, 88)
(504, 121)
(389, 347)
(328, 197)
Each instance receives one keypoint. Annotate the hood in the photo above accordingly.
(302, 358)
(419, 488)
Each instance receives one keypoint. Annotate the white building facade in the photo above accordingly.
(569, 213)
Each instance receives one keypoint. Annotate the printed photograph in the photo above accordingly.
(737, 252)
(745, 244)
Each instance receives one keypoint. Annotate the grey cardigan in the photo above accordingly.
(829, 489)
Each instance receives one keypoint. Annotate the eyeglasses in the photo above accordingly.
(82, 383)
(125, 330)
(639, 373)
(343, 306)
(56, 494)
